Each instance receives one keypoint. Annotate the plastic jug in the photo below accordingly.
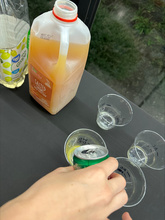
(58, 51)
(14, 34)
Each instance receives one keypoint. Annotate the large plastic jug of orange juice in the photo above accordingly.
(58, 51)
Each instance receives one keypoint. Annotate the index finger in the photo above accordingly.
(109, 165)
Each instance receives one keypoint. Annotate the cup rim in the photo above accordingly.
(81, 129)
(143, 176)
(155, 133)
(126, 101)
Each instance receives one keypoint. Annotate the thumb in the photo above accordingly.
(126, 216)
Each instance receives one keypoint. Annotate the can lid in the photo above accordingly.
(65, 10)
(91, 152)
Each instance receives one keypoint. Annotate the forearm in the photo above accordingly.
(31, 205)
(17, 210)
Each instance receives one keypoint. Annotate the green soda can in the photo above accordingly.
(88, 155)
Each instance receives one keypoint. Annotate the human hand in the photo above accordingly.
(126, 216)
(72, 194)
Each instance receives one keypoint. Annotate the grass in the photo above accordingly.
(38, 7)
(150, 14)
(112, 46)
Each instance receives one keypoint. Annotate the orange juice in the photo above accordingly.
(54, 78)
(57, 58)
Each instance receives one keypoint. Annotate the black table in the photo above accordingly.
(32, 140)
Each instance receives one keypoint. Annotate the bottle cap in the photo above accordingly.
(65, 10)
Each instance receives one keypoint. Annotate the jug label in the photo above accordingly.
(41, 87)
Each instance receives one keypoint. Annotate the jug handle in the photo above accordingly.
(64, 42)
(60, 67)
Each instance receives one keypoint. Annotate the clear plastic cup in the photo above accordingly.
(135, 181)
(113, 110)
(148, 150)
(78, 138)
